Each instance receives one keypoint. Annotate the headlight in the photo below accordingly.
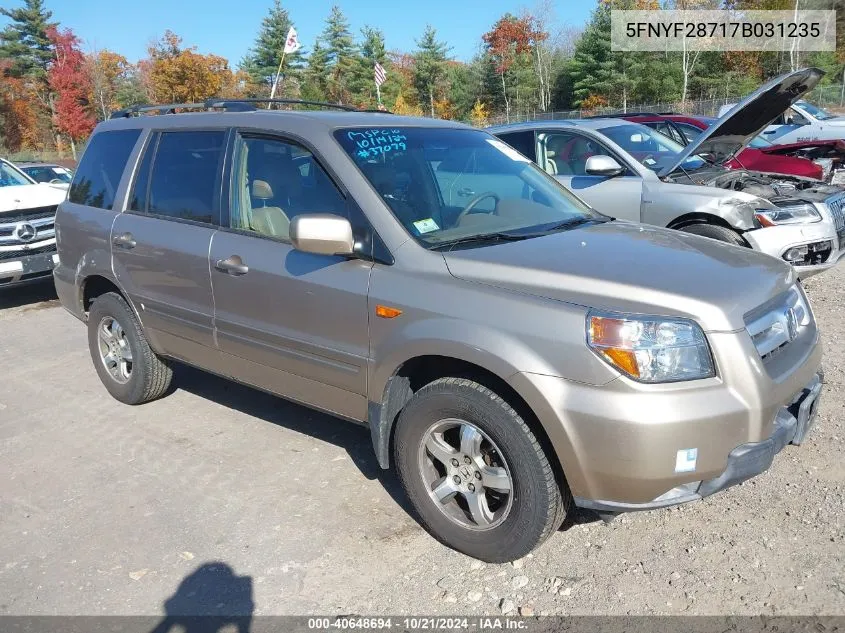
(650, 348)
(788, 214)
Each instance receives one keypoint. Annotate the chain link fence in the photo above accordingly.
(832, 97)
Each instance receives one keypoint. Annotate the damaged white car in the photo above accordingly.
(632, 172)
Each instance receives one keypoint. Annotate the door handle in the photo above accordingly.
(769, 131)
(125, 241)
(232, 265)
(466, 192)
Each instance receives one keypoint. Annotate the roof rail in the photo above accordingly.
(231, 105)
(241, 105)
(165, 108)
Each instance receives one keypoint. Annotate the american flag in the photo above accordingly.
(380, 74)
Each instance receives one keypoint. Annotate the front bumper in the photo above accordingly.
(23, 268)
(791, 426)
(628, 445)
(776, 240)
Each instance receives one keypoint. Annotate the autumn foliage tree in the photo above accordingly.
(510, 38)
(71, 85)
(18, 123)
(177, 75)
(107, 70)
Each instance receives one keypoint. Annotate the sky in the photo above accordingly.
(228, 28)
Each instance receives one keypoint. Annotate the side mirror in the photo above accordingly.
(603, 166)
(322, 234)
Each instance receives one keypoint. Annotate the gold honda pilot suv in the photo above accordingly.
(513, 352)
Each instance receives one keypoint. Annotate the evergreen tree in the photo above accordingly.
(340, 53)
(429, 67)
(262, 61)
(25, 41)
(592, 65)
(362, 83)
(316, 76)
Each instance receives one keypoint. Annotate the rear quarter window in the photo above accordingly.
(96, 180)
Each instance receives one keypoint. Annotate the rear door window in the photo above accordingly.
(98, 176)
(184, 177)
(523, 142)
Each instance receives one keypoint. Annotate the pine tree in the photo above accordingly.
(25, 41)
(262, 61)
(592, 65)
(429, 66)
(340, 54)
(316, 75)
(362, 83)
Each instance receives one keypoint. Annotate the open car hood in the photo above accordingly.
(735, 129)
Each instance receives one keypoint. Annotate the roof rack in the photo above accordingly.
(167, 108)
(231, 105)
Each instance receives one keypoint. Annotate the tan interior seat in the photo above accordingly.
(270, 221)
(551, 165)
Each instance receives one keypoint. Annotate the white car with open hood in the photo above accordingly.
(632, 172)
(27, 233)
(802, 122)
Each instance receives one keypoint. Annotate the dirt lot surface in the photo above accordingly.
(248, 499)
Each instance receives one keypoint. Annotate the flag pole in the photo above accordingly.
(276, 79)
(378, 92)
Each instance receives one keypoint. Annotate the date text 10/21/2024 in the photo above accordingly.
(418, 624)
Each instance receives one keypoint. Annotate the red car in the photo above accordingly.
(760, 155)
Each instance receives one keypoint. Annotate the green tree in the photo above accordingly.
(362, 83)
(25, 42)
(316, 75)
(262, 61)
(429, 67)
(593, 67)
(340, 54)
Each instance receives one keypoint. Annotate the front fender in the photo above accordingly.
(451, 338)
(669, 201)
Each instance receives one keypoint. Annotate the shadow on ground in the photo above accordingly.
(353, 438)
(33, 296)
(209, 599)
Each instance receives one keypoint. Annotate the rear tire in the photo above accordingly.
(716, 232)
(127, 367)
(445, 415)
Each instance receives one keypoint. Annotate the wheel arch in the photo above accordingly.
(97, 283)
(418, 371)
(700, 217)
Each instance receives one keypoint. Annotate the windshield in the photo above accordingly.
(649, 147)
(815, 111)
(758, 142)
(10, 176)
(48, 173)
(445, 185)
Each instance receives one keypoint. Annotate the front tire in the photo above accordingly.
(475, 472)
(127, 367)
(716, 232)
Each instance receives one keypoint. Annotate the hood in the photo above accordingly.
(14, 198)
(627, 267)
(735, 129)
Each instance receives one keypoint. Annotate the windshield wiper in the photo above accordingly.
(480, 239)
(571, 224)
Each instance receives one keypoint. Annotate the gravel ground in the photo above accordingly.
(107, 508)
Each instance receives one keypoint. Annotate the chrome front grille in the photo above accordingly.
(836, 204)
(776, 324)
(27, 230)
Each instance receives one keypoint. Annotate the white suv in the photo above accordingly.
(27, 234)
